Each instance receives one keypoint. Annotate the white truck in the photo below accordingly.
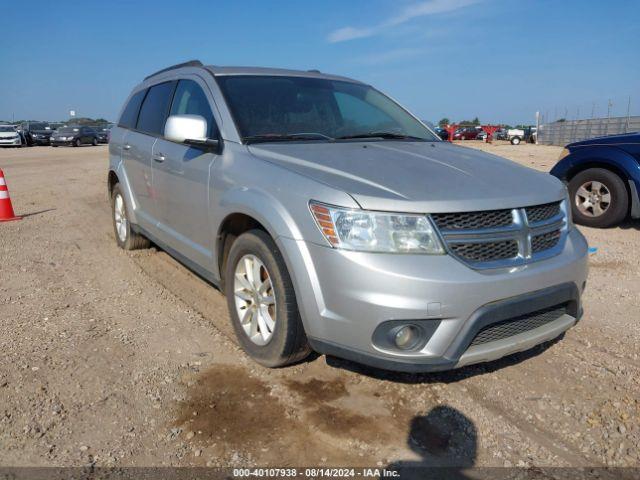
(517, 135)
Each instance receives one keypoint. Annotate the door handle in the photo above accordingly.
(126, 146)
(159, 158)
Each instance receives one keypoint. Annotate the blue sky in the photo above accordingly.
(498, 59)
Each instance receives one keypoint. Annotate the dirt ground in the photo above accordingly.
(115, 358)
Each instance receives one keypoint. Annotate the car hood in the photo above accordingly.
(610, 140)
(8, 134)
(416, 176)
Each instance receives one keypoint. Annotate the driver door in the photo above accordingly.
(181, 179)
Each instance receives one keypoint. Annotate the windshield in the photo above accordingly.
(4, 128)
(38, 126)
(311, 108)
(68, 130)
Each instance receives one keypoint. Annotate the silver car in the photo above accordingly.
(335, 221)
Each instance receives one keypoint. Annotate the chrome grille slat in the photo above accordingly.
(485, 239)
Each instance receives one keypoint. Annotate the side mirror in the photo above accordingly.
(189, 129)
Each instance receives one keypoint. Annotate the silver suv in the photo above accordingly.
(336, 221)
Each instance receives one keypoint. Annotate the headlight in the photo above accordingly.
(564, 153)
(366, 231)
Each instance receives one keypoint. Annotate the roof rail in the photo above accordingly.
(190, 63)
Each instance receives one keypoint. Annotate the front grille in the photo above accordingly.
(545, 241)
(485, 252)
(542, 212)
(503, 238)
(473, 220)
(520, 324)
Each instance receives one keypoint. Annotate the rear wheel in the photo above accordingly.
(126, 238)
(76, 142)
(599, 198)
(94, 142)
(262, 302)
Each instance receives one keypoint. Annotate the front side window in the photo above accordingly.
(155, 107)
(289, 106)
(189, 99)
(130, 113)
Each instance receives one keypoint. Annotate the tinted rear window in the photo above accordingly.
(130, 113)
(154, 109)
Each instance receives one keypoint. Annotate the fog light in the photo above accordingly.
(406, 337)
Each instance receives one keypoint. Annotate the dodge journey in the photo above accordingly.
(334, 220)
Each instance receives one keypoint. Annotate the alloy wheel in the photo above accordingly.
(255, 299)
(120, 217)
(593, 199)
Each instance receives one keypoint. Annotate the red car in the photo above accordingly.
(466, 133)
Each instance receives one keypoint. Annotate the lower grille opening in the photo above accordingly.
(520, 324)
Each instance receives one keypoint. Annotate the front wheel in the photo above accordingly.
(94, 142)
(262, 302)
(76, 142)
(599, 198)
(515, 141)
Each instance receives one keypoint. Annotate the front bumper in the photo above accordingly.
(10, 143)
(41, 141)
(67, 143)
(344, 296)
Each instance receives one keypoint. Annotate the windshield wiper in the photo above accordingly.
(384, 135)
(277, 137)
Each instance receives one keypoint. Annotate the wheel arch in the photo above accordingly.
(112, 180)
(616, 167)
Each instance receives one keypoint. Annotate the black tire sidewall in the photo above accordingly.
(619, 206)
(76, 142)
(284, 344)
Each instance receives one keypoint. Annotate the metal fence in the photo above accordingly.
(561, 133)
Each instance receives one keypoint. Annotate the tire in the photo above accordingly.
(76, 142)
(515, 141)
(287, 342)
(126, 238)
(94, 142)
(599, 181)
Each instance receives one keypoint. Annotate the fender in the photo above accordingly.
(125, 186)
(616, 159)
(261, 206)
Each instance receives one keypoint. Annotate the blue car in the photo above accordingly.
(603, 176)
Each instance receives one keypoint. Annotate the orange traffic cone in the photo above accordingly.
(6, 209)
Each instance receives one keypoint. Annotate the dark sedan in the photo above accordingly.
(74, 136)
(442, 133)
(103, 133)
(603, 175)
(37, 133)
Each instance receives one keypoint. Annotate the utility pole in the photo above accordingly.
(626, 126)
